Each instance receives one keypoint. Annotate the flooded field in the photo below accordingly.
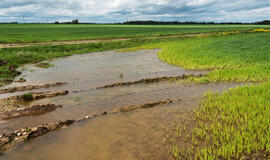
(137, 134)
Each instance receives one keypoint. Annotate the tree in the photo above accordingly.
(75, 21)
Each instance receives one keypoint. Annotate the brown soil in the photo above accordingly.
(11, 139)
(147, 105)
(30, 87)
(35, 96)
(29, 111)
(150, 80)
(11, 104)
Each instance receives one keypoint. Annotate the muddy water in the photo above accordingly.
(135, 135)
(84, 73)
(97, 69)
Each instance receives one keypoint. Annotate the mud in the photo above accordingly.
(11, 139)
(30, 87)
(21, 80)
(151, 80)
(29, 111)
(147, 105)
(35, 96)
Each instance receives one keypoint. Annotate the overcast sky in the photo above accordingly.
(104, 11)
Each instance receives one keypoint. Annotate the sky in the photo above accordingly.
(110, 11)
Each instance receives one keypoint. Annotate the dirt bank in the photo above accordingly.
(29, 111)
(30, 87)
(35, 96)
(151, 80)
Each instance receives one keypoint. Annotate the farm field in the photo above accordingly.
(205, 96)
(236, 120)
(25, 33)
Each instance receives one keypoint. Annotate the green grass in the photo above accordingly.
(231, 125)
(234, 58)
(28, 96)
(23, 33)
(44, 65)
(234, 124)
(238, 58)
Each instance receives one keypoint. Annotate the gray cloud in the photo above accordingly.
(120, 10)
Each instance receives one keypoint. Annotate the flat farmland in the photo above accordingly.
(26, 33)
(134, 92)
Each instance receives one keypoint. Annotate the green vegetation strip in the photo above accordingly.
(238, 124)
(25, 33)
(239, 58)
(234, 124)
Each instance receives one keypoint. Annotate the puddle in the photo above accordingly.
(84, 73)
(135, 135)
(101, 68)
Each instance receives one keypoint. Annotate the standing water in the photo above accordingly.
(134, 135)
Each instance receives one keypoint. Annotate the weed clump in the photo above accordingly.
(28, 96)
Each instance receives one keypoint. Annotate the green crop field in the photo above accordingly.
(231, 125)
(236, 123)
(24, 33)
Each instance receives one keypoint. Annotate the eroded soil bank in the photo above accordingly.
(144, 107)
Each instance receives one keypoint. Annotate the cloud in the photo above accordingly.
(199, 2)
(120, 10)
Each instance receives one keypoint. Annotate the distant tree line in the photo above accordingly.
(9, 23)
(265, 22)
(76, 21)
